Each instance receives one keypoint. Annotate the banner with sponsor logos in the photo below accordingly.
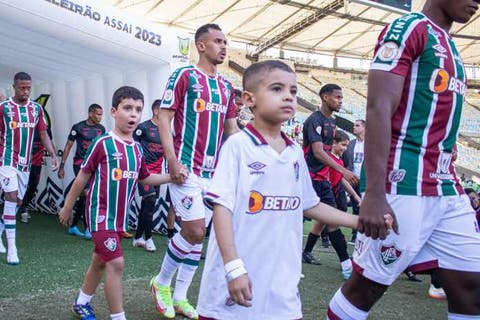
(153, 50)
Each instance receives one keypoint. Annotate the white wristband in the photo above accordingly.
(235, 273)
(234, 264)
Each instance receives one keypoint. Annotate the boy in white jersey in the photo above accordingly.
(260, 192)
(113, 165)
(415, 94)
(20, 119)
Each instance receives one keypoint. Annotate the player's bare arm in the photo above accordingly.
(332, 216)
(158, 179)
(384, 92)
(47, 143)
(231, 127)
(65, 214)
(164, 119)
(66, 152)
(350, 191)
(239, 285)
(321, 155)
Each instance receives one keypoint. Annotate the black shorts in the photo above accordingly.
(324, 191)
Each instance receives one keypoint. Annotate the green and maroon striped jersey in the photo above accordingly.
(425, 125)
(116, 166)
(17, 129)
(202, 103)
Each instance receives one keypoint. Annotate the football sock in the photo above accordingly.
(186, 272)
(435, 280)
(456, 316)
(170, 233)
(118, 316)
(9, 209)
(83, 298)
(340, 308)
(79, 211)
(339, 244)
(178, 249)
(311, 240)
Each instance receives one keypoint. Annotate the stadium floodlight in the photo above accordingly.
(397, 6)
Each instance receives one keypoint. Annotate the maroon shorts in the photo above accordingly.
(107, 244)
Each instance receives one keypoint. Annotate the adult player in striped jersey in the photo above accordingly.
(113, 165)
(201, 104)
(415, 94)
(20, 117)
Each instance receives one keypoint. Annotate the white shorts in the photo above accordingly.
(187, 198)
(435, 232)
(13, 180)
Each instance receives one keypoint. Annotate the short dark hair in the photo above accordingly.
(251, 74)
(94, 107)
(340, 136)
(238, 93)
(205, 29)
(126, 92)
(328, 88)
(156, 104)
(469, 190)
(21, 76)
(361, 121)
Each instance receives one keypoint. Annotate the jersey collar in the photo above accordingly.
(258, 139)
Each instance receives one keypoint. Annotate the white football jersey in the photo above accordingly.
(267, 193)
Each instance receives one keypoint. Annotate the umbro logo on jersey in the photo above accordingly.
(117, 156)
(259, 202)
(389, 254)
(440, 51)
(197, 87)
(110, 244)
(256, 167)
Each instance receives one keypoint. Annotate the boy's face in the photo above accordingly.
(338, 148)
(127, 115)
(474, 199)
(275, 98)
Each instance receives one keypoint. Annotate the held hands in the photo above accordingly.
(376, 217)
(61, 172)
(178, 172)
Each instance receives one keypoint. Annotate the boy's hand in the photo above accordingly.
(55, 164)
(176, 169)
(65, 217)
(240, 290)
(184, 172)
(391, 223)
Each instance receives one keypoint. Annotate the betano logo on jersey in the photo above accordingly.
(201, 105)
(18, 125)
(118, 174)
(259, 202)
(441, 81)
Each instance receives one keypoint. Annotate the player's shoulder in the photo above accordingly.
(179, 72)
(405, 25)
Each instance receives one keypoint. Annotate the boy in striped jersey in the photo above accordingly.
(113, 165)
(20, 118)
(201, 104)
(416, 90)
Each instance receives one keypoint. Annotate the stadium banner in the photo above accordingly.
(155, 52)
(399, 6)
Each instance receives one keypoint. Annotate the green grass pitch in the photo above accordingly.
(52, 265)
